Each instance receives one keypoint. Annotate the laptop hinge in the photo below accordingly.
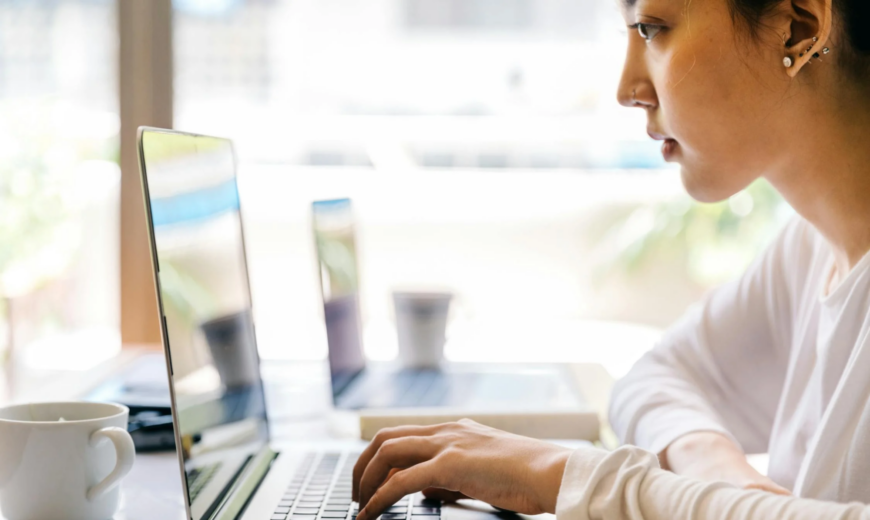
(235, 501)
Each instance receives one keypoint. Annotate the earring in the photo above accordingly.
(787, 61)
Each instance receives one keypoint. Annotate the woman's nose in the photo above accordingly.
(637, 95)
(635, 88)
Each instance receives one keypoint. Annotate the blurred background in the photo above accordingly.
(480, 141)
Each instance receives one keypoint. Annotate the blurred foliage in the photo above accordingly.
(41, 145)
(32, 209)
(715, 242)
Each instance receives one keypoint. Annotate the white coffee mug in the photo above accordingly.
(421, 324)
(63, 460)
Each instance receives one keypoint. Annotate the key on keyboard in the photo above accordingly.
(325, 493)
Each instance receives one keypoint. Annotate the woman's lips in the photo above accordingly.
(669, 148)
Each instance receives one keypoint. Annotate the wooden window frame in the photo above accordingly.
(146, 98)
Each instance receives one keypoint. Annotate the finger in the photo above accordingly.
(405, 482)
(399, 453)
(443, 495)
(381, 437)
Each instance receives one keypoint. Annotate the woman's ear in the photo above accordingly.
(808, 32)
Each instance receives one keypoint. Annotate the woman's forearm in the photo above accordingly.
(711, 456)
(628, 484)
(688, 452)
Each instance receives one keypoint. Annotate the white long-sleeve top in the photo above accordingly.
(628, 484)
(776, 360)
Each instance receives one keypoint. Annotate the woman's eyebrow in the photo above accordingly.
(627, 6)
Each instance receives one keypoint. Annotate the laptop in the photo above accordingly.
(357, 384)
(230, 466)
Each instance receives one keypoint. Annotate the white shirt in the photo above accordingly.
(628, 485)
(770, 360)
(773, 362)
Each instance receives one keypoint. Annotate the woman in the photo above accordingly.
(778, 360)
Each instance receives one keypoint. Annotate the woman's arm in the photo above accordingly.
(628, 484)
(720, 369)
(712, 457)
(532, 476)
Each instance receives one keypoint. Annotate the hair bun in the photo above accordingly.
(855, 13)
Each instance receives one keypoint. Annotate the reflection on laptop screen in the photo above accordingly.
(206, 304)
(334, 239)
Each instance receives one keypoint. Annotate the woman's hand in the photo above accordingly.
(712, 456)
(508, 471)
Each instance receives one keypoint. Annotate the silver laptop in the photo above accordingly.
(230, 467)
(357, 384)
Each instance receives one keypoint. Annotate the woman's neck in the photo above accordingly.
(825, 175)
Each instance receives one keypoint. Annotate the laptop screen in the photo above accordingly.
(335, 243)
(193, 204)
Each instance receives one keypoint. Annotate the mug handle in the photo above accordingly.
(125, 453)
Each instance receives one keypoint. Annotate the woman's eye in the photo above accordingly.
(648, 31)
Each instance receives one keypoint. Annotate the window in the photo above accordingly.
(58, 181)
(509, 15)
(485, 153)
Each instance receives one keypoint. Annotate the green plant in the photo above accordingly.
(715, 242)
(33, 209)
(42, 142)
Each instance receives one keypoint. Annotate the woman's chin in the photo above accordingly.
(706, 188)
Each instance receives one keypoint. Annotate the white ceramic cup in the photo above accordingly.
(421, 325)
(63, 460)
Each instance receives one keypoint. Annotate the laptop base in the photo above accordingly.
(469, 386)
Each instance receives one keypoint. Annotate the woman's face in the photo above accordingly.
(714, 93)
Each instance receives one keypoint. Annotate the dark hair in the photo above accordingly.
(852, 14)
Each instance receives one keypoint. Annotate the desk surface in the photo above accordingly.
(153, 488)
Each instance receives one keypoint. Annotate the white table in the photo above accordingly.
(153, 489)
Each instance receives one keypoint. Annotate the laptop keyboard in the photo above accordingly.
(323, 491)
(424, 388)
(410, 388)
